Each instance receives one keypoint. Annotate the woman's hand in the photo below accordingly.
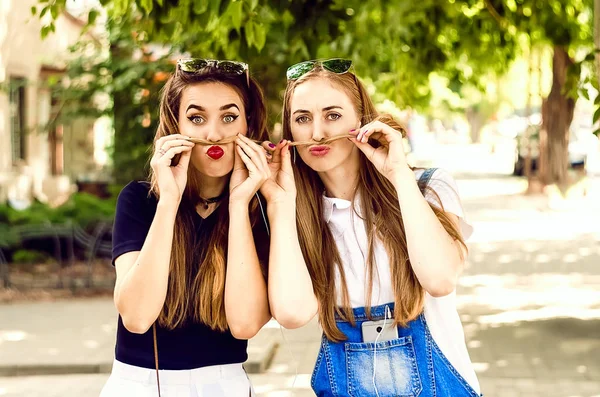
(250, 171)
(171, 179)
(280, 187)
(389, 157)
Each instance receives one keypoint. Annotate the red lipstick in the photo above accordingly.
(319, 151)
(215, 152)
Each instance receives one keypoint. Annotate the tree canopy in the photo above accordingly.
(395, 44)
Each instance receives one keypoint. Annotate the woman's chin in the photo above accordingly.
(215, 170)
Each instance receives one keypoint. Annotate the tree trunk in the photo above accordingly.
(557, 114)
(476, 123)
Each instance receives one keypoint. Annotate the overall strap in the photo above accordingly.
(425, 178)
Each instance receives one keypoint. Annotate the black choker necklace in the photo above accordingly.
(212, 200)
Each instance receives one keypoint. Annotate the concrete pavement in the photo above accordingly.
(529, 300)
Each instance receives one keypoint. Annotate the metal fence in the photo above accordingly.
(92, 269)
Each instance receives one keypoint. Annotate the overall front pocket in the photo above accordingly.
(395, 366)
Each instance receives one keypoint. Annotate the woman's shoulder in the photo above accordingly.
(136, 193)
(436, 178)
(135, 189)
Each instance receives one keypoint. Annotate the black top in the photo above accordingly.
(192, 345)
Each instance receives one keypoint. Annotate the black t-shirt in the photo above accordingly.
(192, 345)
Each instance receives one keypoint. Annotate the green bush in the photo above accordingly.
(82, 208)
(28, 257)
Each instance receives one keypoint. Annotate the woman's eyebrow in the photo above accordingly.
(228, 106)
(224, 107)
(332, 107)
(200, 108)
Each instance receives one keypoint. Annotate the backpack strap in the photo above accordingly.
(425, 178)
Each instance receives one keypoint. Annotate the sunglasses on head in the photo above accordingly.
(334, 65)
(230, 68)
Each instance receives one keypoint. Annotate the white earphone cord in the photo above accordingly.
(385, 318)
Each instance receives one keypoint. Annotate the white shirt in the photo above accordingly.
(350, 235)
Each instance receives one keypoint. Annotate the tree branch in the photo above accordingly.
(501, 20)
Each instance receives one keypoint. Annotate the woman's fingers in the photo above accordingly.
(286, 158)
(250, 165)
(184, 160)
(366, 148)
(162, 140)
(165, 159)
(176, 142)
(255, 152)
(379, 131)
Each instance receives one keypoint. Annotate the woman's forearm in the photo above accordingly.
(435, 256)
(140, 294)
(291, 295)
(246, 301)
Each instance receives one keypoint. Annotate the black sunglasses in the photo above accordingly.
(334, 65)
(197, 65)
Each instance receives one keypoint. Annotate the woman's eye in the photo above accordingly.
(302, 119)
(333, 116)
(230, 118)
(196, 119)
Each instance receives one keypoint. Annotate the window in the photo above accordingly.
(17, 117)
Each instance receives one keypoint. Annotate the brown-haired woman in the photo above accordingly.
(383, 244)
(191, 246)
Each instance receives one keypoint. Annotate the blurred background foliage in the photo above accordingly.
(434, 56)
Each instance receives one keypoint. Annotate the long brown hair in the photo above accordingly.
(197, 283)
(380, 211)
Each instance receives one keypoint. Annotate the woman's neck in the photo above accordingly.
(210, 187)
(341, 181)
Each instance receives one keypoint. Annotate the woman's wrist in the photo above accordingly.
(401, 176)
(281, 208)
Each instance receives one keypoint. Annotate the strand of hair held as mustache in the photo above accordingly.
(232, 139)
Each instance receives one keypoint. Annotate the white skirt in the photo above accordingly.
(228, 380)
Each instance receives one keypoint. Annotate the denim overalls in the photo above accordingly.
(411, 365)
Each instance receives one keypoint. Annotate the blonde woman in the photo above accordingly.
(382, 243)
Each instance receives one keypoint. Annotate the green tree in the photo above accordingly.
(396, 44)
(566, 27)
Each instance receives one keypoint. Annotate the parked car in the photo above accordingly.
(579, 146)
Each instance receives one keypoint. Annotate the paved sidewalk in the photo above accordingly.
(77, 337)
(529, 300)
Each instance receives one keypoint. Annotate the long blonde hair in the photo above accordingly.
(380, 211)
(197, 284)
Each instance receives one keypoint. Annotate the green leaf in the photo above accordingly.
(33, 10)
(160, 2)
(44, 11)
(253, 4)
(45, 30)
(596, 115)
(54, 11)
(214, 7)
(235, 10)
(261, 36)
(287, 19)
(146, 5)
(249, 32)
(584, 93)
(92, 15)
(200, 7)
